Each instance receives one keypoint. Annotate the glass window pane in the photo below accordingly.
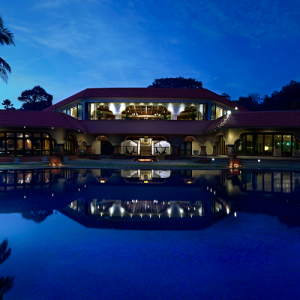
(19, 135)
(287, 145)
(37, 135)
(277, 145)
(36, 147)
(219, 112)
(10, 147)
(2, 134)
(268, 145)
(10, 134)
(46, 147)
(259, 149)
(73, 112)
(2, 146)
(27, 135)
(28, 146)
(92, 111)
(296, 147)
(80, 112)
(19, 147)
(213, 111)
(45, 135)
(249, 148)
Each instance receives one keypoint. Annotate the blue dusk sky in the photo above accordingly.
(236, 47)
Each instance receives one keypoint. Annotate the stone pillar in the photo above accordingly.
(60, 148)
(116, 149)
(174, 151)
(89, 149)
(215, 151)
(203, 151)
(229, 153)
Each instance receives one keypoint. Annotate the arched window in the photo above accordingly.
(25, 143)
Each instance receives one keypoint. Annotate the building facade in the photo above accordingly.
(149, 122)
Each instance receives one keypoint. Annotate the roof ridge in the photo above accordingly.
(67, 118)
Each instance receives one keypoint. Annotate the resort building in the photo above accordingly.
(148, 122)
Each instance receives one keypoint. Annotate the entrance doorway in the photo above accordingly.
(106, 148)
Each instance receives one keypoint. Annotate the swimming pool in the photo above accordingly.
(151, 234)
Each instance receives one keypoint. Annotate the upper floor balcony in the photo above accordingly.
(147, 111)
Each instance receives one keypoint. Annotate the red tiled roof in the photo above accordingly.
(257, 119)
(146, 93)
(19, 118)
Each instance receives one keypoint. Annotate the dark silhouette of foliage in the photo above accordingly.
(226, 96)
(35, 99)
(295, 105)
(6, 38)
(7, 104)
(4, 252)
(176, 83)
(37, 216)
(252, 101)
(284, 99)
(288, 98)
(6, 283)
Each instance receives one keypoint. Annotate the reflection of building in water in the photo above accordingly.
(18, 180)
(145, 175)
(147, 208)
(271, 182)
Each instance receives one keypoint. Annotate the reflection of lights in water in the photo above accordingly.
(200, 211)
(181, 210)
(24, 197)
(145, 181)
(227, 210)
(102, 181)
(52, 195)
(235, 214)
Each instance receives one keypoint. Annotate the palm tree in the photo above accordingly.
(6, 37)
(6, 283)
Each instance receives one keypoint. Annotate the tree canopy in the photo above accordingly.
(6, 38)
(226, 96)
(7, 104)
(288, 98)
(176, 83)
(35, 99)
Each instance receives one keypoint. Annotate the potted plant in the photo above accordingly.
(126, 117)
(193, 115)
(99, 114)
(165, 117)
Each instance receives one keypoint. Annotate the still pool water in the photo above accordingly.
(140, 234)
